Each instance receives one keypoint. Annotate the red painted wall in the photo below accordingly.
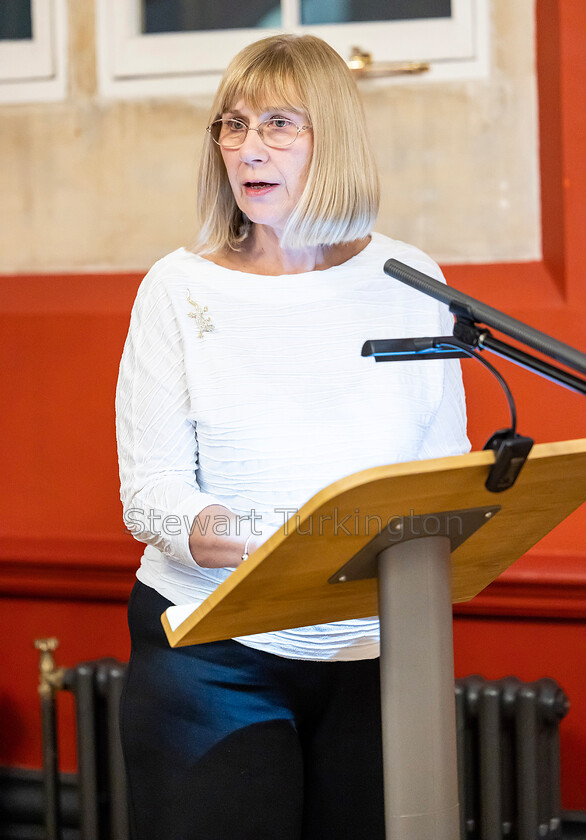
(66, 566)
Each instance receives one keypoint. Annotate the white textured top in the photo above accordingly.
(271, 406)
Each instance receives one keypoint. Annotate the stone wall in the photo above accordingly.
(95, 184)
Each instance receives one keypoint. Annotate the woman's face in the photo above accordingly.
(267, 183)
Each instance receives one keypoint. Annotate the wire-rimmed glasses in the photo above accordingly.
(276, 132)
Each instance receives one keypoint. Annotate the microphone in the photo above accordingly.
(409, 349)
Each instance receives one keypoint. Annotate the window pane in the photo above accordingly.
(15, 20)
(194, 15)
(346, 11)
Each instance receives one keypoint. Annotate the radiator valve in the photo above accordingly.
(50, 677)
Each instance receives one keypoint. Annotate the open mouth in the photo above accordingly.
(258, 185)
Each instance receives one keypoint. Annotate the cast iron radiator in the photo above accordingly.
(101, 782)
(508, 753)
(509, 758)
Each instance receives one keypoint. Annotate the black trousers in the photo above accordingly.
(223, 742)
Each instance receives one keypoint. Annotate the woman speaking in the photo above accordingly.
(242, 392)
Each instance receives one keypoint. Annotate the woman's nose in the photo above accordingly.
(253, 147)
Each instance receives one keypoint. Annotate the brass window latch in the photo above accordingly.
(363, 67)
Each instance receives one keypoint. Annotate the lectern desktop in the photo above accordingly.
(416, 537)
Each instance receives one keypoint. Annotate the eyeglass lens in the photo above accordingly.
(274, 132)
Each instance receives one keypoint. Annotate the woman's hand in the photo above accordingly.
(213, 550)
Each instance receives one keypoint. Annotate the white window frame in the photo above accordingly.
(34, 69)
(132, 64)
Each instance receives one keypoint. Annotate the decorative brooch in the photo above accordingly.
(202, 319)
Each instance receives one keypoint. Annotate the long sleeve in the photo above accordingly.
(157, 442)
(446, 434)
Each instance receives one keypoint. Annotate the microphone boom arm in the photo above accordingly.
(469, 312)
(511, 449)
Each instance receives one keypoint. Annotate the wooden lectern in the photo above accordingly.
(403, 541)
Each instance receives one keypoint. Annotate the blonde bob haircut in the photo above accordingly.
(341, 196)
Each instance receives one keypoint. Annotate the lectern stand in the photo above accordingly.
(405, 541)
